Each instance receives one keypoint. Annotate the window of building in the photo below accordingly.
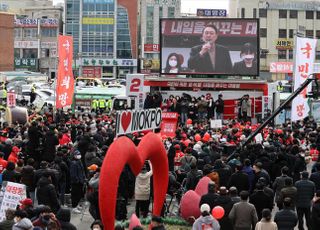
(318, 14)
(263, 32)
(123, 34)
(30, 53)
(282, 14)
(318, 34)
(254, 13)
(290, 54)
(49, 32)
(263, 53)
(45, 53)
(263, 13)
(17, 32)
(282, 54)
(29, 32)
(309, 15)
(293, 14)
(171, 11)
(317, 55)
(291, 33)
(309, 33)
(243, 12)
(282, 33)
(149, 35)
(17, 53)
(160, 11)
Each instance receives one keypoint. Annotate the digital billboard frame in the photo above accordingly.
(190, 39)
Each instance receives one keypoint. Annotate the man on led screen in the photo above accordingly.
(210, 57)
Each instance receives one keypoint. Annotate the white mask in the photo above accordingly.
(78, 157)
(173, 63)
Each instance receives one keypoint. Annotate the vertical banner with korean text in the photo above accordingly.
(304, 59)
(65, 81)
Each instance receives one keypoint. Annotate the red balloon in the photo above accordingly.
(189, 121)
(121, 152)
(218, 212)
(197, 137)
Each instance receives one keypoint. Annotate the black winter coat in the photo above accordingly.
(261, 201)
(240, 180)
(46, 194)
(286, 219)
(305, 193)
(315, 178)
(226, 203)
(315, 214)
(64, 217)
(50, 143)
(27, 176)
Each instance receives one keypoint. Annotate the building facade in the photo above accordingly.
(151, 11)
(280, 22)
(104, 33)
(35, 39)
(6, 41)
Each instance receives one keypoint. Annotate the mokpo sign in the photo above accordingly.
(138, 120)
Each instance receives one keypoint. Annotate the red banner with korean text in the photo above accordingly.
(65, 81)
(304, 59)
(169, 124)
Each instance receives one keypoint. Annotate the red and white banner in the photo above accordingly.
(65, 81)
(151, 48)
(226, 27)
(11, 99)
(134, 88)
(304, 60)
(281, 67)
(169, 124)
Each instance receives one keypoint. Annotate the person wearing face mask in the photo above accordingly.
(77, 179)
(173, 64)
(248, 65)
(46, 218)
(210, 57)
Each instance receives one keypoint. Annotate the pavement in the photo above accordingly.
(84, 220)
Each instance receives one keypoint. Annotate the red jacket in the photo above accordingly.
(13, 157)
(314, 154)
(65, 139)
(3, 164)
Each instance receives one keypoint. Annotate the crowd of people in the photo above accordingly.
(60, 153)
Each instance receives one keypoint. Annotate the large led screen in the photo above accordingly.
(210, 46)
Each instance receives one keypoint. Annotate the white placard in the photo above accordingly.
(10, 195)
(130, 121)
(215, 124)
(134, 87)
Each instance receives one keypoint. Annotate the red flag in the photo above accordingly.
(65, 81)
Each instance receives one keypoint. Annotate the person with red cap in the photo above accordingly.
(14, 154)
(27, 206)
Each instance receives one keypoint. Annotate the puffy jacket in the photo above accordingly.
(24, 224)
(305, 193)
(64, 217)
(286, 219)
(46, 194)
(27, 176)
(206, 221)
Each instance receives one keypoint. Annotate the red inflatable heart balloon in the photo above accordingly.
(202, 186)
(189, 205)
(121, 152)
